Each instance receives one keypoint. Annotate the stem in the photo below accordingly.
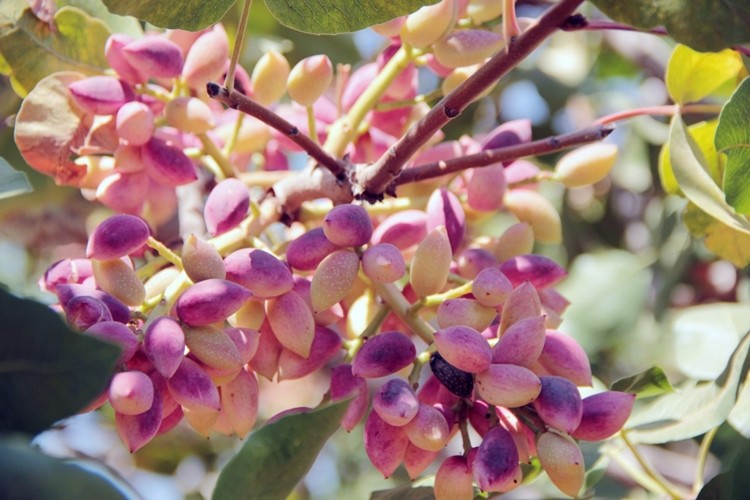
(702, 458)
(465, 438)
(581, 23)
(241, 27)
(399, 305)
(511, 30)
(239, 101)
(491, 156)
(344, 130)
(214, 152)
(439, 298)
(375, 179)
(263, 178)
(666, 110)
(229, 145)
(165, 252)
(387, 106)
(665, 485)
(312, 130)
(416, 370)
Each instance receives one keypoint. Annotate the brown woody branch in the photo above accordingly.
(492, 156)
(239, 101)
(373, 180)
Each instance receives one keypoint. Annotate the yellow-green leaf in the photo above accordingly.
(189, 15)
(703, 135)
(733, 140)
(33, 49)
(693, 75)
(720, 239)
(693, 178)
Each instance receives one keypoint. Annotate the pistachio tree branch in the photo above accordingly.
(492, 156)
(372, 180)
(239, 101)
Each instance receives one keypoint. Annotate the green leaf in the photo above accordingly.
(646, 384)
(720, 239)
(693, 75)
(12, 182)
(696, 183)
(277, 456)
(733, 139)
(733, 484)
(27, 473)
(406, 492)
(33, 49)
(116, 24)
(47, 371)
(339, 16)
(703, 134)
(693, 409)
(705, 335)
(707, 25)
(191, 15)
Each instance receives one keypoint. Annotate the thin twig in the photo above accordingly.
(492, 156)
(239, 101)
(581, 23)
(374, 179)
(239, 39)
(665, 110)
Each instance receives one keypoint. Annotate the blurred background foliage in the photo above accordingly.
(634, 269)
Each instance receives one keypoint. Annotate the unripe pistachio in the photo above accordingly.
(309, 79)
(117, 278)
(206, 58)
(191, 387)
(508, 385)
(562, 355)
(458, 76)
(425, 26)
(307, 250)
(135, 123)
(395, 402)
(167, 164)
(343, 385)
(481, 11)
(562, 460)
(518, 239)
(522, 343)
(325, 345)
(251, 315)
(128, 159)
(158, 283)
(201, 420)
(540, 271)
(83, 312)
(430, 266)
(491, 287)
(586, 165)
(246, 340)
(454, 480)
(189, 114)
(118, 334)
(389, 28)
(402, 229)
(154, 56)
(486, 188)
(269, 78)
(117, 236)
(559, 404)
(201, 261)
(266, 358)
(496, 465)
(101, 95)
(417, 460)
(333, 279)
(226, 206)
(467, 47)
(537, 211)
(131, 392)
(473, 260)
(347, 225)
(252, 137)
(445, 209)
(385, 444)
(258, 271)
(428, 429)
(292, 322)
(465, 312)
(117, 310)
(603, 415)
(384, 354)
(210, 301)
(137, 430)
(523, 302)
(239, 402)
(383, 263)
(113, 52)
(213, 347)
(164, 345)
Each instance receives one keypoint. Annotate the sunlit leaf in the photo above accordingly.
(27, 473)
(708, 25)
(33, 49)
(407, 492)
(649, 383)
(733, 139)
(703, 135)
(115, 23)
(693, 75)
(278, 455)
(696, 183)
(12, 181)
(47, 371)
(339, 16)
(191, 15)
(693, 408)
(722, 240)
